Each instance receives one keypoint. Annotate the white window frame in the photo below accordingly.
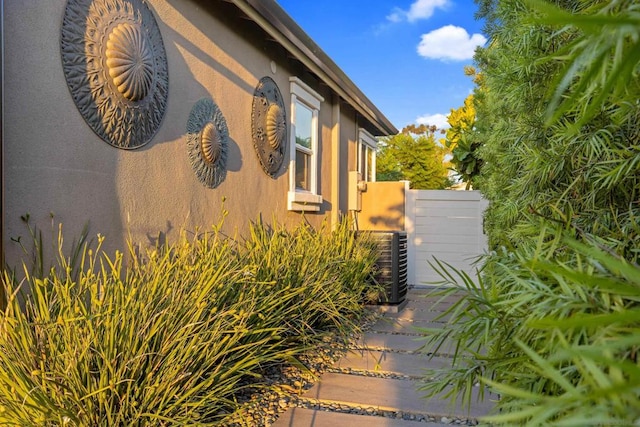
(298, 199)
(369, 142)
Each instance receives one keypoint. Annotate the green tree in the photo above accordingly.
(414, 155)
(462, 141)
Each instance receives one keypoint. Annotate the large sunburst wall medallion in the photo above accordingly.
(207, 142)
(115, 65)
(269, 126)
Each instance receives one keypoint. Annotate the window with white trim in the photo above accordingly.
(367, 145)
(303, 164)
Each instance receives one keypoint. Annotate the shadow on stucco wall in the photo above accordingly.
(229, 61)
(55, 163)
(388, 218)
(56, 169)
(383, 206)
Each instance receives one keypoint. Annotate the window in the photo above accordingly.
(304, 146)
(303, 165)
(367, 145)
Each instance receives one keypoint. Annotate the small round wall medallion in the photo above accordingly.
(115, 65)
(207, 141)
(210, 143)
(269, 126)
(276, 126)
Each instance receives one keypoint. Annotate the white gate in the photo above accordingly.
(446, 225)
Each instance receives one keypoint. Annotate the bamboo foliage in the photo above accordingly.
(551, 337)
(539, 163)
(549, 328)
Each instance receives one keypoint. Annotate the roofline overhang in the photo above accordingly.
(270, 16)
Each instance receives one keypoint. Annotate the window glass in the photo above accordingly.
(363, 161)
(369, 169)
(304, 147)
(303, 170)
(304, 117)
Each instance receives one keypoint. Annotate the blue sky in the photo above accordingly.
(407, 56)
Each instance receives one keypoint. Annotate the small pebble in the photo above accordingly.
(445, 420)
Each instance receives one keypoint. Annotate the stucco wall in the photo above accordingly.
(55, 164)
(383, 206)
(347, 153)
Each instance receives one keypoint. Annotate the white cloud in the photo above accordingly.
(419, 9)
(437, 120)
(423, 9)
(396, 16)
(450, 43)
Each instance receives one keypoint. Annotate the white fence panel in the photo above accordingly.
(446, 225)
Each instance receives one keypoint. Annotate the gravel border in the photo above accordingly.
(285, 386)
(381, 412)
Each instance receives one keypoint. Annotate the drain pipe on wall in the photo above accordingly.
(2, 212)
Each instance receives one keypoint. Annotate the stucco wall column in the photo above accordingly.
(335, 162)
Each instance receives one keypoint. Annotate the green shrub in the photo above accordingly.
(553, 333)
(577, 164)
(551, 324)
(174, 337)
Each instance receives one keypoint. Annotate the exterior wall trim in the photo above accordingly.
(306, 90)
(365, 138)
(299, 200)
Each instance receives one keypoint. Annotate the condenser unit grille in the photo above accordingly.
(391, 264)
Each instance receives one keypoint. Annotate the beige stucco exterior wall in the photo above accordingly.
(383, 206)
(348, 134)
(55, 164)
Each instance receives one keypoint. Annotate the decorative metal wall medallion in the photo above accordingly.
(115, 65)
(269, 126)
(207, 141)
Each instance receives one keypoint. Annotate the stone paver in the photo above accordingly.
(381, 375)
(428, 294)
(300, 417)
(386, 393)
(417, 314)
(432, 304)
(399, 342)
(397, 325)
(386, 361)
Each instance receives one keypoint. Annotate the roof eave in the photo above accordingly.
(283, 29)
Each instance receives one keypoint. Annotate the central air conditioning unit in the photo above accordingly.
(391, 264)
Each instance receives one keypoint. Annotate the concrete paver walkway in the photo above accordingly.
(379, 377)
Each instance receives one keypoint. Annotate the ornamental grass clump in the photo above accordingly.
(172, 335)
(331, 272)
